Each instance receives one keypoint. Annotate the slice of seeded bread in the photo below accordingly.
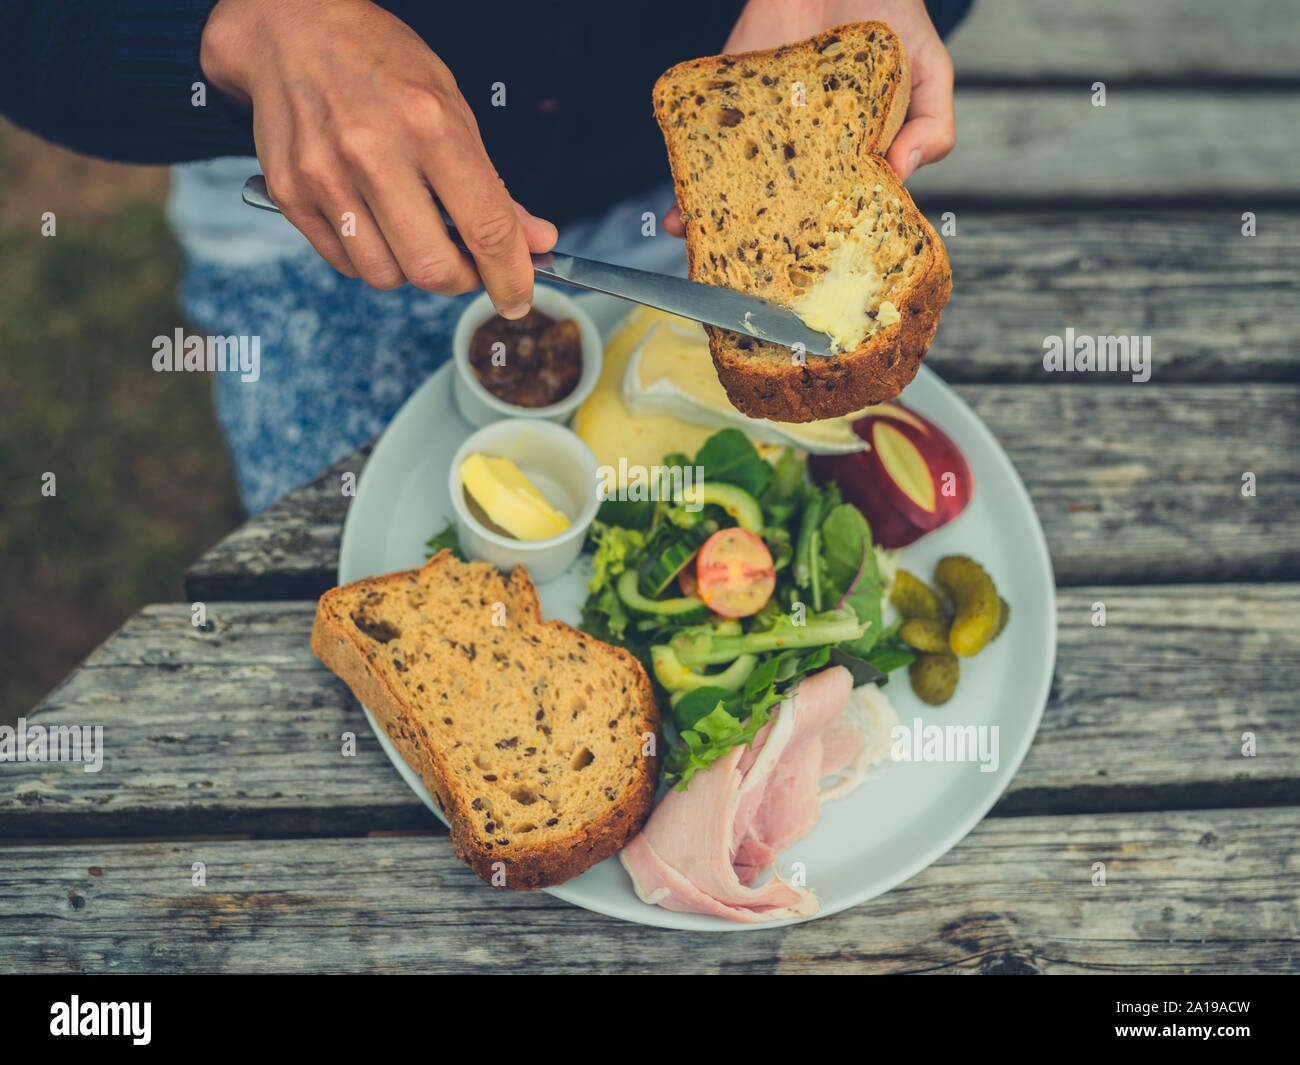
(777, 157)
(528, 734)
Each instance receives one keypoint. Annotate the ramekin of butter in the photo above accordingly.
(524, 490)
(523, 365)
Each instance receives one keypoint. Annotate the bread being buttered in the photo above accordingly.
(537, 742)
(777, 158)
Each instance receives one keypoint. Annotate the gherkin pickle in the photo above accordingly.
(976, 600)
(925, 634)
(914, 598)
(934, 677)
(1004, 615)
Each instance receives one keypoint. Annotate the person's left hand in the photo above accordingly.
(929, 130)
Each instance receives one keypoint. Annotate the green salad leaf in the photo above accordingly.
(851, 572)
(626, 513)
(615, 549)
(889, 652)
(720, 720)
(783, 497)
(445, 539)
(818, 500)
(729, 456)
(698, 703)
(826, 607)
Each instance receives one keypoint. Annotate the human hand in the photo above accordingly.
(353, 114)
(929, 129)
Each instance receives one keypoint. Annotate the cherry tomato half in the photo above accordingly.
(735, 573)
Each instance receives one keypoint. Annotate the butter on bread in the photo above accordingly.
(777, 158)
(531, 736)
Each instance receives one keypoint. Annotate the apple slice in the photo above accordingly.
(911, 481)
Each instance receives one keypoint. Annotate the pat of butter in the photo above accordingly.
(842, 302)
(510, 499)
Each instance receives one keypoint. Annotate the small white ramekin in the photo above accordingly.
(560, 465)
(478, 405)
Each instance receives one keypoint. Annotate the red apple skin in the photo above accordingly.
(894, 518)
(896, 412)
(941, 456)
(858, 485)
(912, 511)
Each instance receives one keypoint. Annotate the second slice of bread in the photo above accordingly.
(777, 161)
(538, 743)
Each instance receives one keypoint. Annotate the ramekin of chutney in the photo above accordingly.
(540, 366)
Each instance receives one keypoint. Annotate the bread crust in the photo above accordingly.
(884, 363)
(526, 869)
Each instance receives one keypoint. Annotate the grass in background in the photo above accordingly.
(143, 482)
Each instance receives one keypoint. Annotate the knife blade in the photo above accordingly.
(710, 304)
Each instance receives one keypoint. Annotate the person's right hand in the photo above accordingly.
(353, 114)
(929, 131)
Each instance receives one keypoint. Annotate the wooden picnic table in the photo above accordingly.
(223, 742)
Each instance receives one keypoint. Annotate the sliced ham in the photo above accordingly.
(871, 718)
(703, 849)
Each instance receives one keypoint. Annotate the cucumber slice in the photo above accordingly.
(685, 610)
(676, 677)
(675, 558)
(738, 503)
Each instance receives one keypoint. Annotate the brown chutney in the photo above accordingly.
(533, 361)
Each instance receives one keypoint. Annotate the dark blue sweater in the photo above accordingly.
(115, 78)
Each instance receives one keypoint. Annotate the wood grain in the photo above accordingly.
(1016, 896)
(1192, 41)
(1219, 307)
(240, 729)
(1052, 146)
(1132, 482)
(288, 551)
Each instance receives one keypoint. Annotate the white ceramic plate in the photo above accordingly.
(906, 814)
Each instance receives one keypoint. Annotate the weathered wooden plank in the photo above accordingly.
(1154, 709)
(1025, 146)
(1195, 41)
(1138, 482)
(240, 730)
(289, 551)
(1218, 306)
(1195, 892)
(1132, 482)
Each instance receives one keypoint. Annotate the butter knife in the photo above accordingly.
(723, 307)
